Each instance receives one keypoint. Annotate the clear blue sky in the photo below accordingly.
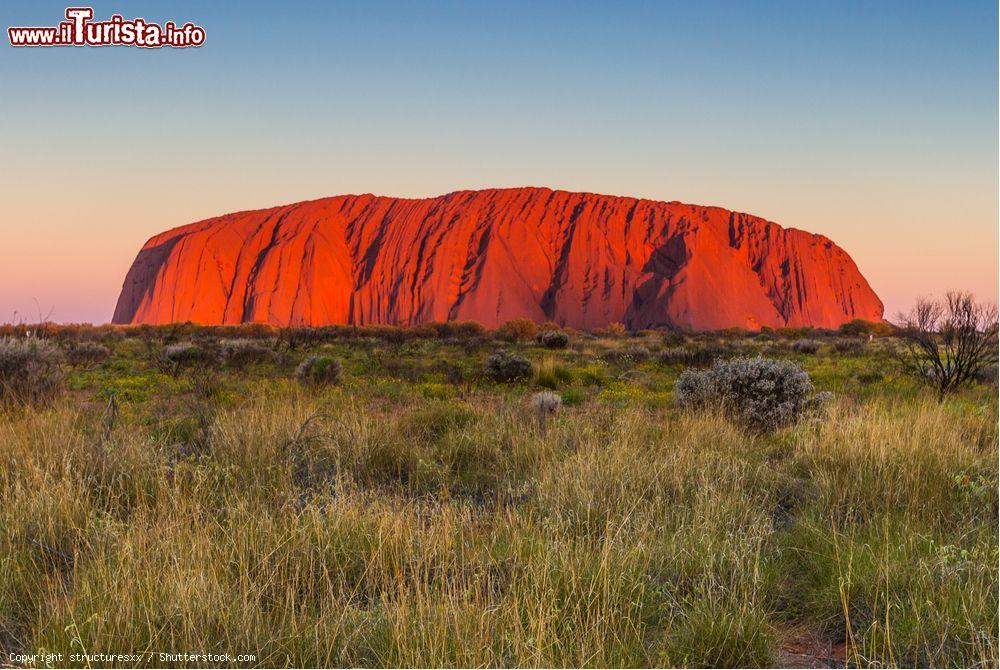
(873, 123)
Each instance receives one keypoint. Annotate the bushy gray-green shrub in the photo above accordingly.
(506, 367)
(88, 353)
(762, 394)
(241, 352)
(552, 339)
(30, 371)
(320, 371)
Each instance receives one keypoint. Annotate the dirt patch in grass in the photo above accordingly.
(801, 648)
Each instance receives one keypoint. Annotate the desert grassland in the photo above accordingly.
(416, 515)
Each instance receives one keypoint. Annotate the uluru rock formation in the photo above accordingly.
(578, 259)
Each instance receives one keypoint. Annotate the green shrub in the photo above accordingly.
(88, 353)
(320, 371)
(859, 327)
(30, 371)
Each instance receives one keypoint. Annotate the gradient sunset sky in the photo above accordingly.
(873, 123)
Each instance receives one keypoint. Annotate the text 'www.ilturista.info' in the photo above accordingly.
(80, 30)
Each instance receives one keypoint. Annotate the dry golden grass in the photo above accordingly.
(329, 527)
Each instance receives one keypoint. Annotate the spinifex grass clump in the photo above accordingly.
(320, 371)
(760, 393)
(506, 367)
(552, 375)
(29, 371)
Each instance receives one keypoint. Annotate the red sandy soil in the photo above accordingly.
(578, 259)
(800, 648)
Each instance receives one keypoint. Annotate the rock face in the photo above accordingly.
(578, 259)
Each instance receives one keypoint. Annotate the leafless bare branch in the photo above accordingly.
(948, 343)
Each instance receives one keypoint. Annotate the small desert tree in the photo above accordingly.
(948, 343)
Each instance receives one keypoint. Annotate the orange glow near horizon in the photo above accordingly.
(66, 256)
(874, 124)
